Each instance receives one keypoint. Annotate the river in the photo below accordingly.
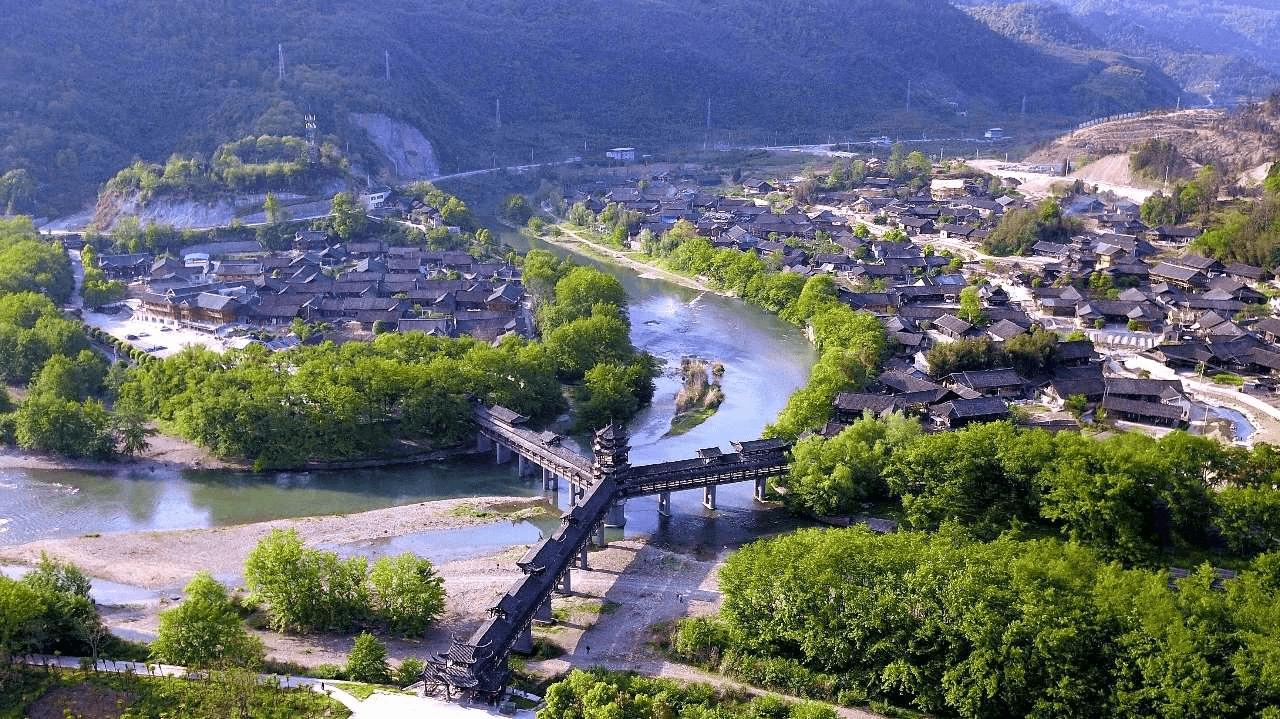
(765, 360)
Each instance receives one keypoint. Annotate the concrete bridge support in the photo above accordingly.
(525, 467)
(524, 641)
(577, 491)
(599, 538)
(762, 484)
(501, 453)
(542, 614)
(582, 558)
(564, 586)
(664, 504)
(550, 482)
(709, 496)
(617, 516)
(483, 443)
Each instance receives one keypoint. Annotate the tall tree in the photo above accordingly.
(346, 216)
(205, 630)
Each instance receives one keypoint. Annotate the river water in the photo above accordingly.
(765, 360)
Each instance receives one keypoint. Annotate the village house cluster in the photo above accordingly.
(322, 280)
(1125, 285)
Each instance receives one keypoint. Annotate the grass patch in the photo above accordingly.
(514, 512)
(29, 691)
(1227, 378)
(364, 691)
(686, 421)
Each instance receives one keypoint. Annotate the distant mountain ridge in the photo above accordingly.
(86, 87)
(1220, 52)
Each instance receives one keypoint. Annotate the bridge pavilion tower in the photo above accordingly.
(611, 449)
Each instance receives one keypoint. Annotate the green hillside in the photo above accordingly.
(89, 87)
(1220, 52)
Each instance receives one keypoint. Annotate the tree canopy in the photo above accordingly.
(1009, 628)
(205, 630)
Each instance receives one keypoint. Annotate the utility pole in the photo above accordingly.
(280, 52)
(908, 95)
(497, 111)
(706, 138)
(386, 59)
(1024, 104)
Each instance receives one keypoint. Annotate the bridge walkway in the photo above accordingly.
(479, 664)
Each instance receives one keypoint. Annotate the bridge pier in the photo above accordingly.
(664, 504)
(599, 538)
(525, 467)
(709, 496)
(501, 453)
(762, 484)
(549, 480)
(617, 516)
(564, 586)
(542, 614)
(578, 491)
(483, 443)
(524, 641)
(582, 558)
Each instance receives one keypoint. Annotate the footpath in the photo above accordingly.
(379, 705)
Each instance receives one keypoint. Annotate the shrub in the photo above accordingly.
(368, 661)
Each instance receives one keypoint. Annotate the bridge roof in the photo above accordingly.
(506, 416)
(759, 445)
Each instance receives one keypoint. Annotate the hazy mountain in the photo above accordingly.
(86, 87)
(1223, 51)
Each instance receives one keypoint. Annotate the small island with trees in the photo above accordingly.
(700, 394)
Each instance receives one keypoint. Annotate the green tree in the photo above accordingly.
(580, 215)
(66, 609)
(577, 293)
(982, 477)
(275, 212)
(586, 342)
(20, 612)
(367, 661)
(836, 475)
(971, 306)
(64, 426)
(406, 593)
(516, 209)
(305, 589)
(409, 672)
(16, 185)
(205, 630)
(346, 216)
(607, 396)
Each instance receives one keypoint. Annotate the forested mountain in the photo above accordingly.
(1222, 51)
(86, 87)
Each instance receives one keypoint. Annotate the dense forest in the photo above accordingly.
(1009, 628)
(87, 88)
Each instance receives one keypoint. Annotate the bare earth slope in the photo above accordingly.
(1235, 141)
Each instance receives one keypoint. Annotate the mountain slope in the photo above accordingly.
(1223, 51)
(84, 87)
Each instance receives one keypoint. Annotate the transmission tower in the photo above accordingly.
(280, 53)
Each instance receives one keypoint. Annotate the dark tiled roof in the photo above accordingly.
(971, 408)
(988, 378)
